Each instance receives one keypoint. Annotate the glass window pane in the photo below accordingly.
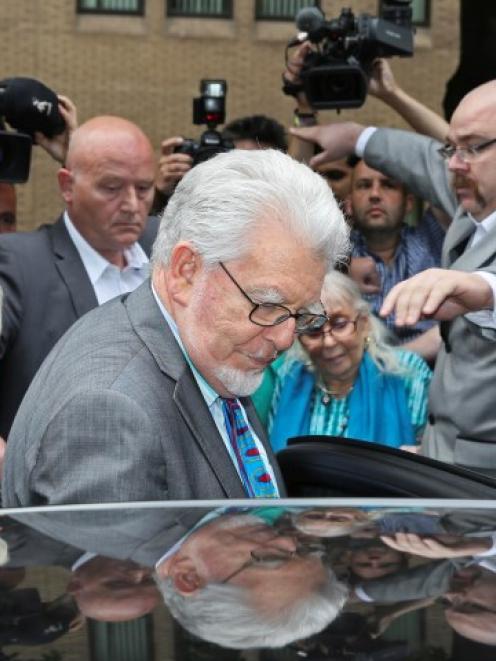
(208, 8)
(111, 6)
(281, 10)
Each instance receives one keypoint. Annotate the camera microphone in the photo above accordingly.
(310, 20)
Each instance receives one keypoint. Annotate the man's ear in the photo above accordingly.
(66, 180)
(185, 576)
(184, 268)
(409, 202)
(347, 206)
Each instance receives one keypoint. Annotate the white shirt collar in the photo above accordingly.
(487, 224)
(93, 262)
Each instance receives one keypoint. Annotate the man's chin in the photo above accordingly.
(239, 383)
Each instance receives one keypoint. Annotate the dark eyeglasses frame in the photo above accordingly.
(448, 151)
(319, 333)
(287, 314)
(272, 559)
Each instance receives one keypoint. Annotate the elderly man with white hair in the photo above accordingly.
(146, 398)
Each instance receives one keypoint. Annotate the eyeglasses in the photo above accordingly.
(339, 327)
(271, 314)
(273, 558)
(465, 154)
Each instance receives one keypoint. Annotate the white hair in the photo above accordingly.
(218, 202)
(340, 288)
(221, 614)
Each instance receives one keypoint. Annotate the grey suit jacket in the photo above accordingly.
(115, 414)
(46, 289)
(462, 421)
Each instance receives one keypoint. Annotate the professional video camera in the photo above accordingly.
(336, 74)
(210, 109)
(28, 106)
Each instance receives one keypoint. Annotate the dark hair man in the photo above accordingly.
(252, 132)
(378, 205)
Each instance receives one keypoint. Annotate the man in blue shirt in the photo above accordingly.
(378, 205)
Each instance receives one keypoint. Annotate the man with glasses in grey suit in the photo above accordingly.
(147, 397)
(459, 177)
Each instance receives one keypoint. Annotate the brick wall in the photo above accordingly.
(148, 69)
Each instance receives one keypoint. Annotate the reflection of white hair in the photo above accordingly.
(221, 614)
(338, 289)
(218, 202)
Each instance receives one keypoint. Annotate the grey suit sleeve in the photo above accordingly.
(100, 447)
(430, 580)
(414, 160)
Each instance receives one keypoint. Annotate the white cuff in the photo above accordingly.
(485, 318)
(363, 138)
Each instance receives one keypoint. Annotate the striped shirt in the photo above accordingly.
(419, 249)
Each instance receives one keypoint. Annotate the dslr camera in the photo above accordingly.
(27, 106)
(337, 73)
(210, 109)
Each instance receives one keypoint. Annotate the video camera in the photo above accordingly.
(27, 106)
(210, 109)
(336, 75)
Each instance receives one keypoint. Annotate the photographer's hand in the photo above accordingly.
(337, 140)
(292, 73)
(57, 146)
(171, 166)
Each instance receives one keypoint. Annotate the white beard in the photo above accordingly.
(238, 382)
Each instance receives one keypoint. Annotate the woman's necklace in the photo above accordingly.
(327, 394)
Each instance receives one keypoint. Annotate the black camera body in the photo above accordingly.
(336, 75)
(28, 106)
(210, 109)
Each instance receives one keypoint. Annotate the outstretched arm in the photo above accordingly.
(437, 294)
(422, 119)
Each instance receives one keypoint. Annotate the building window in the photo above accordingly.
(281, 10)
(134, 7)
(421, 12)
(200, 8)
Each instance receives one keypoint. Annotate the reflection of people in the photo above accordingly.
(146, 398)
(348, 381)
(239, 582)
(52, 276)
(470, 604)
(112, 590)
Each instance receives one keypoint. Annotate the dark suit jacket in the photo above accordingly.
(46, 288)
(115, 415)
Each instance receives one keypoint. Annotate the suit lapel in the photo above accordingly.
(197, 416)
(71, 269)
(149, 324)
(456, 239)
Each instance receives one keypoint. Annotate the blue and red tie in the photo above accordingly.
(255, 477)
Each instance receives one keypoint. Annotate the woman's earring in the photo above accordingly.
(366, 342)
